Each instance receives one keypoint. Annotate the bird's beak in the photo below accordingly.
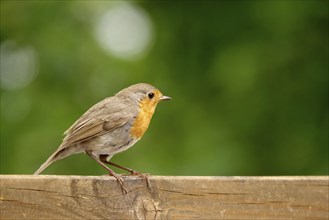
(165, 98)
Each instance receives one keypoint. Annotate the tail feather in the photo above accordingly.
(55, 156)
(60, 153)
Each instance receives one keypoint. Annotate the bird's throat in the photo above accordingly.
(143, 118)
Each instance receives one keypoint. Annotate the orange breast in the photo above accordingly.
(143, 118)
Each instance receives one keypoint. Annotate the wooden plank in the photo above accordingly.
(172, 197)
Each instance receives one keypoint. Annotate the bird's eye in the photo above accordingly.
(151, 95)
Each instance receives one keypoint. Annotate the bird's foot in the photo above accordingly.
(120, 181)
(144, 176)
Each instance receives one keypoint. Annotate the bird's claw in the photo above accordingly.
(144, 176)
(120, 181)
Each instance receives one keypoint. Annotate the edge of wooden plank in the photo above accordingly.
(319, 177)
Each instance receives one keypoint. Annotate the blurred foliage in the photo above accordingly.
(249, 82)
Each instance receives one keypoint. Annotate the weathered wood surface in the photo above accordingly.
(89, 197)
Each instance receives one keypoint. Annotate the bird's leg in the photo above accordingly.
(111, 172)
(133, 172)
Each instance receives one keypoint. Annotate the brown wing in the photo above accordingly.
(103, 117)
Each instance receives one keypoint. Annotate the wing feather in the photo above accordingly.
(98, 120)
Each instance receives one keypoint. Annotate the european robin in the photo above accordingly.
(111, 126)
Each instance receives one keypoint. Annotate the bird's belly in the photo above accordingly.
(109, 144)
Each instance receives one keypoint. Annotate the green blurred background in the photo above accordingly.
(249, 82)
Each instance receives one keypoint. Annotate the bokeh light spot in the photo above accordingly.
(125, 31)
(18, 65)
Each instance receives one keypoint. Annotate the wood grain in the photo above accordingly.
(172, 197)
